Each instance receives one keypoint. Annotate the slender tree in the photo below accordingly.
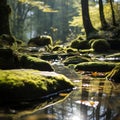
(4, 17)
(113, 13)
(102, 17)
(91, 32)
(112, 10)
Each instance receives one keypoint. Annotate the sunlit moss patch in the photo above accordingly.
(28, 84)
(35, 63)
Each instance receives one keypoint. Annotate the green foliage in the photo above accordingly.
(35, 63)
(100, 45)
(94, 15)
(25, 85)
(95, 66)
(39, 4)
(108, 12)
(34, 17)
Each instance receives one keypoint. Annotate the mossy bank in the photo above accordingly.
(28, 84)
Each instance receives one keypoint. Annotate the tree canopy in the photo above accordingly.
(60, 19)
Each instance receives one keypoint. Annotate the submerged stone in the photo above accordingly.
(27, 84)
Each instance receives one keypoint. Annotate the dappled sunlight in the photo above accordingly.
(39, 4)
(92, 99)
(88, 103)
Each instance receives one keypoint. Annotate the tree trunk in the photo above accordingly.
(102, 17)
(91, 32)
(113, 14)
(4, 17)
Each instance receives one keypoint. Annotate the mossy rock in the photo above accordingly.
(35, 63)
(75, 60)
(49, 56)
(100, 45)
(95, 66)
(80, 44)
(42, 40)
(26, 84)
(7, 40)
(75, 44)
(113, 57)
(71, 50)
(8, 59)
(115, 44)
(57, 48)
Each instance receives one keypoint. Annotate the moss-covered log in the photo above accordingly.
(27, 84)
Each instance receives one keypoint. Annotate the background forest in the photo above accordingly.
(61, 19)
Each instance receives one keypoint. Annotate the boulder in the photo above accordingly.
(95, 66)
(35, 63)
(20, 85)
(42, 40)
(8, 59)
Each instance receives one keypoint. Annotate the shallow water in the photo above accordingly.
(92, 99)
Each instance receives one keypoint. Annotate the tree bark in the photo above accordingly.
(102, 17)
(4, 17)
(89, 29)
(113, 14)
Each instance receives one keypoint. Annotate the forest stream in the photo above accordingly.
(93, 98)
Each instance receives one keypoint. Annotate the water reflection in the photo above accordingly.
(100, 100)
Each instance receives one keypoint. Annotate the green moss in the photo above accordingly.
(100, 45)
(80, 44)
(95, 66)
(114, 75)
(115, 55)
(35, 63)
(28, 84)
(75, 60)
(49, 56)
(71, 50)
(42, 40)
(57, 48)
